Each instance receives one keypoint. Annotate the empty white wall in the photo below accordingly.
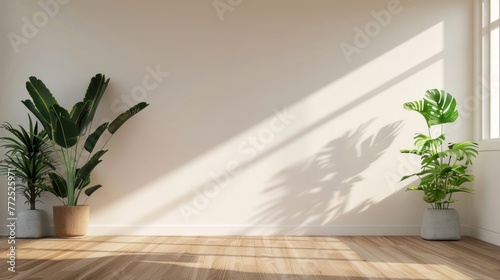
(266, 117)
(485, 223)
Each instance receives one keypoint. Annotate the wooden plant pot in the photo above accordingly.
(71, 221)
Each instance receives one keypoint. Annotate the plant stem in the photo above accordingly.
(442, 133)
(32, 197)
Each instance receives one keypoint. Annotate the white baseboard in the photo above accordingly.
(485, 235)
(199, 230)
(196, 230)
(326, 230)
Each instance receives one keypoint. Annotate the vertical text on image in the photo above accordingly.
(11, 219)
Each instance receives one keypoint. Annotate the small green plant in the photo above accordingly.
(30, 155)
(444, 170)
(71, 135)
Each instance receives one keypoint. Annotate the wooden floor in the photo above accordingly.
(250, 257)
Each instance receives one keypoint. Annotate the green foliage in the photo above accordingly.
(443, 172)
(29, 155)
(70, 134)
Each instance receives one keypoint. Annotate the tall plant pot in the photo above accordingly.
(440, 224)
(32, 224)
(71, 221)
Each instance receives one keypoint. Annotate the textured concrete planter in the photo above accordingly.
(32, 224)
(71, 221)
(440, 224)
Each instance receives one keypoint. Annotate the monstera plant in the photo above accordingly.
(444, 167)
(72, 135)
(444, 170)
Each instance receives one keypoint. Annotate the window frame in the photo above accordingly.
(482, 76)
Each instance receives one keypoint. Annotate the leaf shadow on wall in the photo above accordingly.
(303, 192)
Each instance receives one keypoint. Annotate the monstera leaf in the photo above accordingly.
(437, 107)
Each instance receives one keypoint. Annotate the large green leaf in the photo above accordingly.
(429, 178)
(90, 165)
(432, 194)
(91, 190)
(59, 186)
(79, 115)
(81, 182)
(461, 150)
(95, 91)
(419, 106)
(460, 189)
(46, 123)
(94, 137)
(430, 161)
(425, 143)
(437, 107)
(444, 106)
(42, 97)
(65, 130)
(122, 118)
(461, 179)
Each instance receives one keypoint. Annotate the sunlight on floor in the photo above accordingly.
(269, 256)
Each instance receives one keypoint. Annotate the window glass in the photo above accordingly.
(491, 72)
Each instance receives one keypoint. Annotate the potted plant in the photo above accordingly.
(444, 169)
(71, 134)
(29, 155)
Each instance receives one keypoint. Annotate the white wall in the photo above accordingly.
(484, 206)
(326, 163)
(485, 223)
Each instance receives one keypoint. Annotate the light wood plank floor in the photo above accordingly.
(250, 257)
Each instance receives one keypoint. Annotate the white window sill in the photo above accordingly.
(489, 145)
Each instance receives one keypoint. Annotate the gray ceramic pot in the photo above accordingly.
(440, 224)
(31, 224)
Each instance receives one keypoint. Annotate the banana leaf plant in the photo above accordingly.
(72, 137)
(29, 154)
(444, 168)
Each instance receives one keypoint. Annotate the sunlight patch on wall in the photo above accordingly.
(355, 121)
(324, 151)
